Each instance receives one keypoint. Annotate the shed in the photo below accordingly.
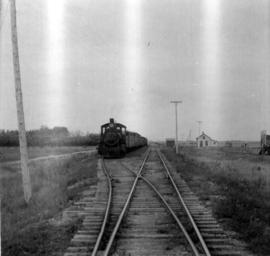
(170, 143)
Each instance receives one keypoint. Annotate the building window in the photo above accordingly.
(206, 143)
(204, 137)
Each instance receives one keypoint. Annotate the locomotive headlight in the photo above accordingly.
(111, 125)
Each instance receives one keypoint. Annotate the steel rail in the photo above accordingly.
(198, 233)
(108, 206)
(120, 218)
(182, 228)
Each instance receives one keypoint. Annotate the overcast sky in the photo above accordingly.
(84, 61)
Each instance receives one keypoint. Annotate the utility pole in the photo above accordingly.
(175, 102)
(189, 135)
(199, 127)
(19, 100)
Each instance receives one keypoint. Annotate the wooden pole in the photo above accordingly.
(176, 124)
(176, 130)
(19, 100)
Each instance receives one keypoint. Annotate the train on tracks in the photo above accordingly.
(265, 144)
(116, 140)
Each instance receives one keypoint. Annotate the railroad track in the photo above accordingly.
(150, 211)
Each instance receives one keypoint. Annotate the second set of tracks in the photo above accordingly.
(148, 210)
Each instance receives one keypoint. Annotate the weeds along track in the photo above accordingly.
(94, 212)
(212, 237)
(138, 212)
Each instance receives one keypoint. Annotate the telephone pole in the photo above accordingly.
(175, 102)
(189, 135)
(19, 100)
(199, 127)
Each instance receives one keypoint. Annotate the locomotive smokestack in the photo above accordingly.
(111, 120)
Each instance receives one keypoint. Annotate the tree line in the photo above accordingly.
(57, 136)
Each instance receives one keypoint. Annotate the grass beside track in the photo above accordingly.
(13, 153)
(38, 228)
(241, 204)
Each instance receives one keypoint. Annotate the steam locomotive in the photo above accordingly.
(116, 141)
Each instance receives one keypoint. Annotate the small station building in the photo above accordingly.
(205, 141)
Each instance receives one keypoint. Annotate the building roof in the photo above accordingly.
(203, 134)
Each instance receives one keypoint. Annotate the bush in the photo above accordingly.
(57, 136)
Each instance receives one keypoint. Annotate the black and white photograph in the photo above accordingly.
(135, 127)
